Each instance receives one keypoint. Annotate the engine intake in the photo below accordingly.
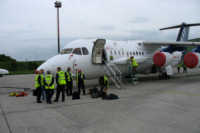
(191, 60)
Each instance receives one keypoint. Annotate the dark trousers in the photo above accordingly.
(69, 89)
(103, 87)
(133, 70)
(178, 69)
(81, 85)
(39, 93)
(49, 95)
(60, 88)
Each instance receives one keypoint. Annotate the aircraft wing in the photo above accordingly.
(176, 43)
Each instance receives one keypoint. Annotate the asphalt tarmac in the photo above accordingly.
(152, 106)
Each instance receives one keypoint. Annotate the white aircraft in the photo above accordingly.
(95, 56)
(3, 71)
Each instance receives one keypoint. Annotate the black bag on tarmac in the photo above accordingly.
(95, 95)
(34, 93)
(75, 95)
(103, 95)
(112, 97)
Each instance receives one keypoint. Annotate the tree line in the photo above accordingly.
(6, 62)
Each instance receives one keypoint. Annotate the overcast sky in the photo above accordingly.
(28, 28)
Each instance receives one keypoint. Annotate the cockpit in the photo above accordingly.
(77, 51)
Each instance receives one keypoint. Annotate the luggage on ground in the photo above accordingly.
(75, 95)
(34, 93)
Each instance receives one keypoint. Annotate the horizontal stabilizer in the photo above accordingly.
(179, 26)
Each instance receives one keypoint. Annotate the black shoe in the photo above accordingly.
(63, 100)
(50, 102)
(39, 101)
(55, 100)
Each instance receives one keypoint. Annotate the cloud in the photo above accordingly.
(139, 20)
(107, 27)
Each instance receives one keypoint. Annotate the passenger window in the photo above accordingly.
(133, 53)
(122, 52)
(119, 52)
(130, 53)
(77, 51)
(136, 53)
(85, 51)
(140, 53)
(115, 52)
(111, 53)
(66, 51)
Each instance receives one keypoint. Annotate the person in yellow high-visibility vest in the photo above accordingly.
(69, 82)
(103, 81)
(61, 83)
(43, 86)
(134, 65)
(49, 86)
(179, 67)
(80, 77)
(38, 86)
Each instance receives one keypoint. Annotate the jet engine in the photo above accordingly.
(192, 59)
(162, 59)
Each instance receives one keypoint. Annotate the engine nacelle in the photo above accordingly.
(192, 60)
(162, 59)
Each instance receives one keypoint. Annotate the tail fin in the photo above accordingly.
(183, 32)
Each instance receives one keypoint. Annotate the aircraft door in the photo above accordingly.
(97, 51)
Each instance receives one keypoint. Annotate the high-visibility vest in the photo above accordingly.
(106, 79)
(61, 78)
(134, 63)
(48, 79)
(36, 81)
(179, 65)
(68, 76)
(77, 78)
(42, 79)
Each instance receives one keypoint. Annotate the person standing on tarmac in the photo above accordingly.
(80, 77)
(61, 83)
(103, 81)
(69, 81)
(38, 86)
(43, 86)
(178, 67)
(49, 86)
(134, 65)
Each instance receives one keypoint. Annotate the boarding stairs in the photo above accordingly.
(113, 73)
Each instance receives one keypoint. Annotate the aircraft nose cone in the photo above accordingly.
(46, 66)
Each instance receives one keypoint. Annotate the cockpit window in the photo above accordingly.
(66, 51)
(77, 51)
(85, 51)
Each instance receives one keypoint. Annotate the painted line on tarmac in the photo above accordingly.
(5, 119)
(176, 92)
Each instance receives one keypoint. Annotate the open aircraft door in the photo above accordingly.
(97, 51)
